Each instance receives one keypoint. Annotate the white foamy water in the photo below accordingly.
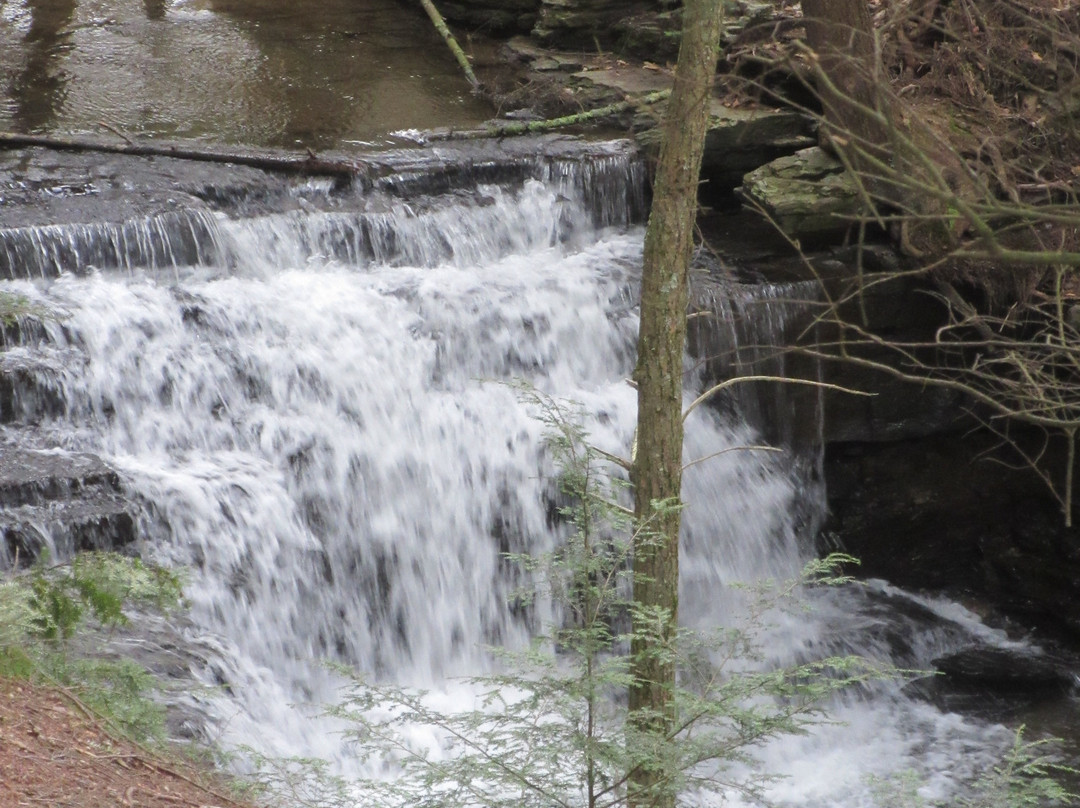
(319, 434)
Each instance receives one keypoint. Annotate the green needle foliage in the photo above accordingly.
(14, 307)
(43, 608)
(549, 728)
(96, 585)
(1029, 775)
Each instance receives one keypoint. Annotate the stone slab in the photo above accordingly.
(807, 193)
(628, 79)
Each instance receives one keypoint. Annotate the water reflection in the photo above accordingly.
(367, 66)
(39, 89)
(261, 72)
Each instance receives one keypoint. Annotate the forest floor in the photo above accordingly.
(55, 754)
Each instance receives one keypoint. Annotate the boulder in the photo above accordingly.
(653, 35)
(649, 30)
(1005, 669)
(742, 14)
(492, 16)
(808, 194)
(523, 50)
(741, 139)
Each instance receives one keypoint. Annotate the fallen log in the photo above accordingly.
(515, 128)
(283, 162)
(440, 26)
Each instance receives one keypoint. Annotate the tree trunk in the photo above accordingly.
(841, 33)
(657, 469)
(861, 126)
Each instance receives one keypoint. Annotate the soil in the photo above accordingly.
(54, 754)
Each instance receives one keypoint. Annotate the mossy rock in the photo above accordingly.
(583, 23)
(808, 193)
(737, 140)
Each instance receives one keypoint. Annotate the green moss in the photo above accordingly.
(14, 307)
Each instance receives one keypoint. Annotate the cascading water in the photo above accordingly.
(313, 421)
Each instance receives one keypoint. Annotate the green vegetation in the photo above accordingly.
(43, 608)
(14, 307)
(1028, 776)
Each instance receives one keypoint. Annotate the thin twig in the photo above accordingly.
(116, 132)
(732, 449)
(716, 388)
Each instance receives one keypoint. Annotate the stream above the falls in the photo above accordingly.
(272, 73)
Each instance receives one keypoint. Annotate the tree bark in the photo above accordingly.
(657, 467)
(841, 34)
(440, 26)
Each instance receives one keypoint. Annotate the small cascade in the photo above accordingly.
(419, 217)
(167, 240)
(742, 329)
(399, 208)
(314, 419)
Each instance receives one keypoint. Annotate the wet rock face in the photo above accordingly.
(59, 501)
(1001, 684)
(51, 499)
(955, 513)
(75, 212)
(1005, 670)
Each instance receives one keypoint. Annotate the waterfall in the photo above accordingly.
(309, 402)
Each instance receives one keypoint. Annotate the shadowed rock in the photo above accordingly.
(60, 501)
(1005, 669)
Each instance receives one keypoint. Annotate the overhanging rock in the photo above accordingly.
(740, 139)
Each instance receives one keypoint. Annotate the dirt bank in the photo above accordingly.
(54, 753)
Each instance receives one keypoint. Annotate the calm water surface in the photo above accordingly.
(261, 72)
